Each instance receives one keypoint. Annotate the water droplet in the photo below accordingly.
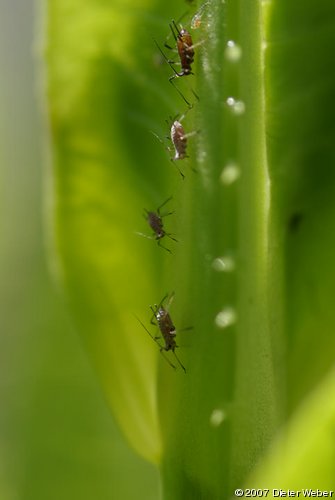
(217, 417)
(224, 264)
(233, 51)
(230, 174)
(237, 106)
(226, 317)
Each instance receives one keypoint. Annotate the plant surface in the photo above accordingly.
(252, 270)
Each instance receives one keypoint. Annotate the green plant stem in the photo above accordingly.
(257, 391)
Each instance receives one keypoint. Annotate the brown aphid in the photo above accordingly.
(161, 317)
(155, 221)
(185, 49)
(179, 140)
(156, 224)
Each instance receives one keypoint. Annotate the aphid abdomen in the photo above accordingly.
(185, 51)
(166, 328)
(179, 140)
(156, 224)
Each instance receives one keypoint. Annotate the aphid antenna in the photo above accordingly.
(178, 117)
(173, 25)
(145, 236)
(193, 46)
(156, 307)
(171, 120)
(178, 22)
(161, 348)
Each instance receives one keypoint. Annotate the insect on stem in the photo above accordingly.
(155, 221)
(185, 48)
(162, 319)
(179, 139)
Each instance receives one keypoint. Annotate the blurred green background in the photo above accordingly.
(58, 440)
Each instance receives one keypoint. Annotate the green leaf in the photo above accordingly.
(252, 269)
(300, 137)
(100, 163)
(302, 457)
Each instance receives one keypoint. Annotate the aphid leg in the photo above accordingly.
(185, 329)
(155, 339)
(169, 235)
(166, 58)
(162, 351)
(180, 363)
(164, 203)
(162, 246)
(169, 61)
(166, 215)
(191, 134)
(195, 95)
(162, 142)
(195, 45)
(170, 48)
(176, 75)
(174, 162)
(171, 32)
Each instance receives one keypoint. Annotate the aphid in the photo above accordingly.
(185, 49)
(162, 319)
(179, 140)
(155, 221)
